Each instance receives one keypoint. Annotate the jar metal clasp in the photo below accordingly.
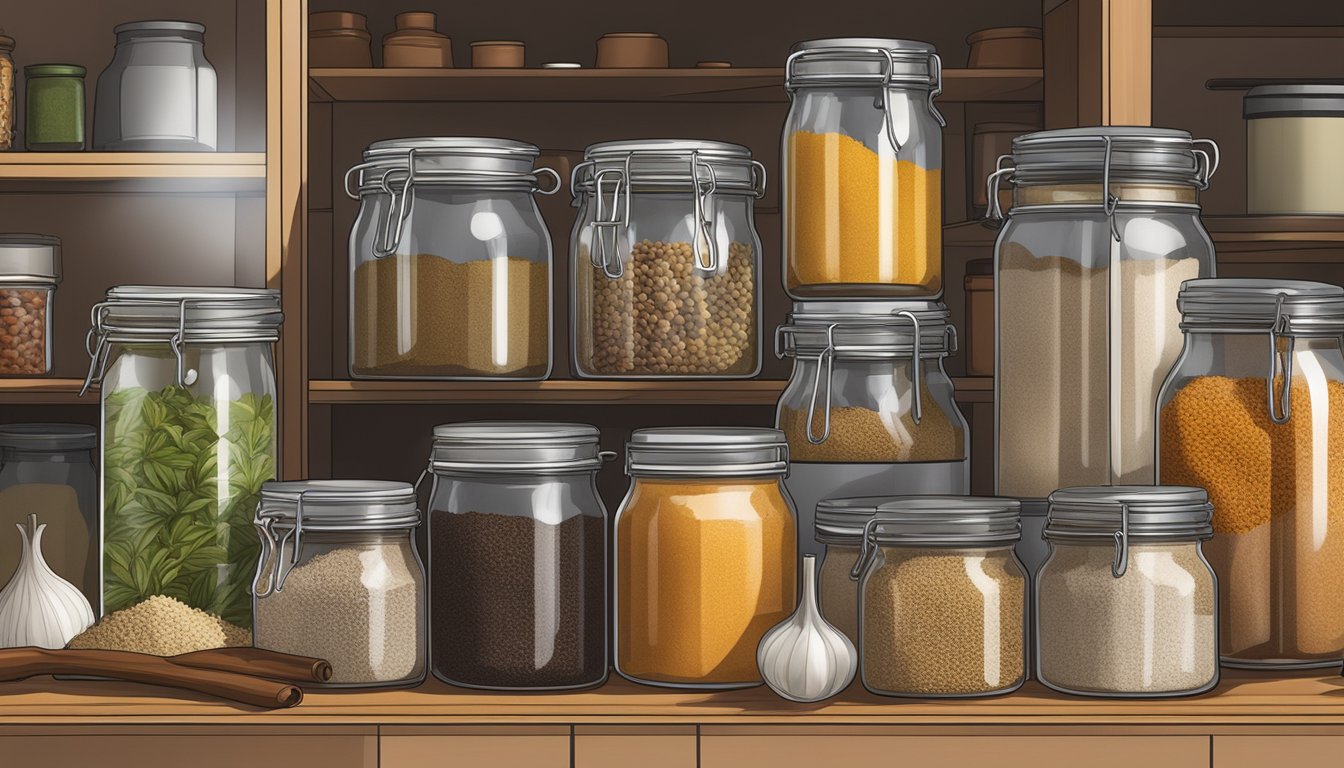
(1279, 329)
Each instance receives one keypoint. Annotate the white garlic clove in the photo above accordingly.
(37, 607)
(804, 658)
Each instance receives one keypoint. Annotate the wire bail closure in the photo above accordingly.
(1279, 329)
(273, 551)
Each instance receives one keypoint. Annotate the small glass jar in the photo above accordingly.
(450, 261)
(667, 262)
(839, 527)
(54, 114)
(48, 469)
(188, 396)
(339, 579)
(30, 269)
(518, 564)
(869, 408)
(862, 165)
(1251, 413)
(942, 598)
(1126, 603)
(159, 93)
(706, 556)
(7, 92)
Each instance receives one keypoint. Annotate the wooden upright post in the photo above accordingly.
(1098, 62)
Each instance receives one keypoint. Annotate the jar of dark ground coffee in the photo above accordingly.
(517, 556)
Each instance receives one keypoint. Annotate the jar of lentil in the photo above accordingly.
(339, 578)
(869, 408)
(706, 556)
(6, 91)
(667, 261)
(1125, 604)
(862, 165)
(1253, 412)
(54, 114)
(839, 528)
(942, 598)
(518, 565)
(450, 261)
(30, 269)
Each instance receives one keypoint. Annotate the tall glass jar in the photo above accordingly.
(667, 261)
(188, 438)
(942, 598)
(339, 579)
(868, 408)
(1104, 228)
(706, 557)
(450, 261)
(7, 92)
(1125, 604)
(159, 93)
(862, 165)
(517, 556)
(839, 528)
(1252, 412)
(48, 469)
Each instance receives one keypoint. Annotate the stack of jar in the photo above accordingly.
(869, 408)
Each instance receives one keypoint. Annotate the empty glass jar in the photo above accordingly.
(450, 261)
(159, 94)
(339, 579)
(667, 261)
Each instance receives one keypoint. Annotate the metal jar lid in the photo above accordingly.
(339, 505)
(1294, 101)
(191, 314)
(707, 452)
(48, 437)
(1111, 154)
(1121, 513)
(54, 70)
(30, 259)
(666, 165)
(857, 61)
(1254, 305)
(942, 521)
(394, 165)
(139, 29)
(866, 330)
(841, 521)
(509, 447)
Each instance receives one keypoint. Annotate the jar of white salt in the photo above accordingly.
(1127, 604)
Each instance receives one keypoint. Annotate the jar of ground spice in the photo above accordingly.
(30, 268)
(839, 527)
(942, 598)
(339, 579)
(706, 556)
(1253, 412)
(450, 261)
(518, 565)
(667, 261)
(869, 408)
(1125, 604)
(862, 165)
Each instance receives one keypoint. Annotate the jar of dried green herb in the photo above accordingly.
(54, 119)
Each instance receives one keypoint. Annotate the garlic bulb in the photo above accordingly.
(804, 658)
(38, 607)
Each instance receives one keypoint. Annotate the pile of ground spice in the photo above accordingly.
(1278, 509)
(161, 626)
(863, 435)
(858, 224)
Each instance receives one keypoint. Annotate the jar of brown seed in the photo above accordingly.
(667, 261)
(30, 268)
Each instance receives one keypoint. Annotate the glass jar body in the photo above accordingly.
(704, 568)
(54, 114)
(159, 94)
(61, 485)
(654, 309)
(862, 218)
(1149, 632)
(465, 292)
(25, 328)
(1276, 489)
(838, 594)
(518, 573)
(356, 599)
(183, 465)
(1087, 329)
(943, 621)
(7, 96)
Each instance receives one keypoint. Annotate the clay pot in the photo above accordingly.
(631, 50)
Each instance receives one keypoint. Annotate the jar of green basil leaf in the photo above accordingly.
(188, 438)
(54, 107)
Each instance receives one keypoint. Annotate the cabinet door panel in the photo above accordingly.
(1295, 751)
(168, 750)
(635, 747)
(494, 750)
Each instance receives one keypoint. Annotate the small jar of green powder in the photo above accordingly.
(55, 107)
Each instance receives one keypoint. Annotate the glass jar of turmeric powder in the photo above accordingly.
(705, 555)
(869, 408)
(1253, 412)
(862, 164)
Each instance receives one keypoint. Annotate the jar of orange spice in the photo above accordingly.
(705, 556)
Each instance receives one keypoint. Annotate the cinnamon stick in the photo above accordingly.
(23, 663)
(259, 662)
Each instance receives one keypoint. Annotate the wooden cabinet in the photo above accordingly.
(635, 747)
(1295, 751)
(492, 746)
(176, 746)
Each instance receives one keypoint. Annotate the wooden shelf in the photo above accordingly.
(45, 392)
(582, 392)
(736, 85)
(1242, 699)
(226, 171)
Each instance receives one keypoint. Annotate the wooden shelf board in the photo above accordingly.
(1242, 698)
(133, 166)
(45, 392)
(736, 85)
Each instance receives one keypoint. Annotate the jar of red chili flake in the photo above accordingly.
(30, 268)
